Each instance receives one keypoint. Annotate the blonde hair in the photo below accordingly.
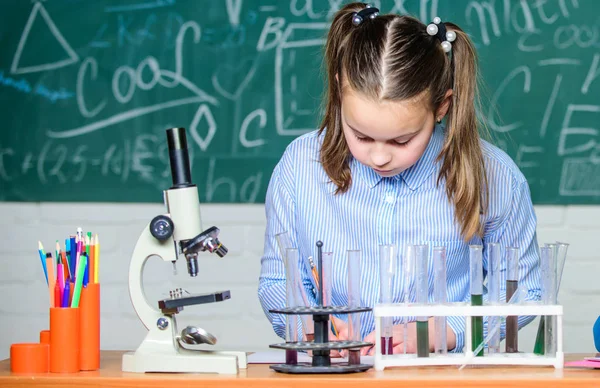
(393, 58)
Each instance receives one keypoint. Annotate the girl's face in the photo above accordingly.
(387, 136)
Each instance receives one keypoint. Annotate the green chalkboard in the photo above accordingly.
(87, 89)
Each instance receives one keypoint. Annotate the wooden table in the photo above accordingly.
(260, 376)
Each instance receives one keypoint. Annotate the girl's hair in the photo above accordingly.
(393, 58)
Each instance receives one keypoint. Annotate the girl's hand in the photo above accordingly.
(411, 339)
(342, 330)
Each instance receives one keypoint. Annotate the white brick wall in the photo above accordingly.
(238, 323)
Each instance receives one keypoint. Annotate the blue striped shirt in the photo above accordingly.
(409, 208)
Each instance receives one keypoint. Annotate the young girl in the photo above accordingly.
(382, 169)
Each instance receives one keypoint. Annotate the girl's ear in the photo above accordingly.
(444, 106)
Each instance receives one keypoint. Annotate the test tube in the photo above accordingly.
(387, 270)
(440, 296)
(354, 333)
(561, 259)
(284, 243)
(421, 260)
(476, 264)
(494, 257)
(512, 283)
(408, 268)
(291, 320)
(327, 262)
(548, 262)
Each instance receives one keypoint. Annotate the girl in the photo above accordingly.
(383, 170)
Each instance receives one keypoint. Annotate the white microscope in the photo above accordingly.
(168, 236)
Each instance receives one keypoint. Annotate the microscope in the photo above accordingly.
(168, 236)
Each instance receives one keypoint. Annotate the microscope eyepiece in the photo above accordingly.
(179, 157)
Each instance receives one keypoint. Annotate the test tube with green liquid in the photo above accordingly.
(421, 261)
(354, 302)
(494, 256)
(440, 296)
(512, 283)
(387, 270)
(476, 263)
(559, 253)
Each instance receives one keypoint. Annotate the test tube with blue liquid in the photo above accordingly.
(354, 329)
(440, 296)
(494, 256)
(421, 261)
(476, 264)
(387, 271)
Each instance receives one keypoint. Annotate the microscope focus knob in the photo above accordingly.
(161, 227)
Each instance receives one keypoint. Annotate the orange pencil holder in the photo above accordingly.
(64, 340)
(89, 327)
(45, 337)
(29, 358)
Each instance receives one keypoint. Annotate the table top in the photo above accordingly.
(259, 375)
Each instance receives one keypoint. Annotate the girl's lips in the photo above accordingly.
(382, 171)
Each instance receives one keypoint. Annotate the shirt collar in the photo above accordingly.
(415, 175)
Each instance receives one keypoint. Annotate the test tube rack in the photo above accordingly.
(321, 346)
(467, 357)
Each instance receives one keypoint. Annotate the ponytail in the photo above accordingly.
(334, 151)
(463, 167)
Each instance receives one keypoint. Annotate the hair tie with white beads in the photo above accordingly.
(367, 12)
(438, 29)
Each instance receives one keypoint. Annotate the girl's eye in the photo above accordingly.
(402, 144)
(365, 139)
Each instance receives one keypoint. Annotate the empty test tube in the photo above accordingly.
(494, 256)
(284, 243)
(353, 302)
(440, 296)
(548, 263)
(476, 263)
(387, 271)
(421, 261)
(291, 320)
(512, 283)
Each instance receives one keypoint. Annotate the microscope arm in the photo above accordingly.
(145, 247)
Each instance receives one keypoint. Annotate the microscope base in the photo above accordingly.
(184, 361)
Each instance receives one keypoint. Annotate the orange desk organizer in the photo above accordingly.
(29, 358)
(64, 340)
(89, 327)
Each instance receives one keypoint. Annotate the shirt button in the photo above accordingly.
(390, 199)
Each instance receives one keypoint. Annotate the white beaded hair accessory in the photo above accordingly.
(367, 12)
(438, 29)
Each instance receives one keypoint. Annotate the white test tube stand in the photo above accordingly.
(467, 357)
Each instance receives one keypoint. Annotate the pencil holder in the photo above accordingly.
(29, 358)
(64, 340)
(89, 327)
(45, 337)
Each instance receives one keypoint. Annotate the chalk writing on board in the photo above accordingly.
(244, 79)
(38, 8)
